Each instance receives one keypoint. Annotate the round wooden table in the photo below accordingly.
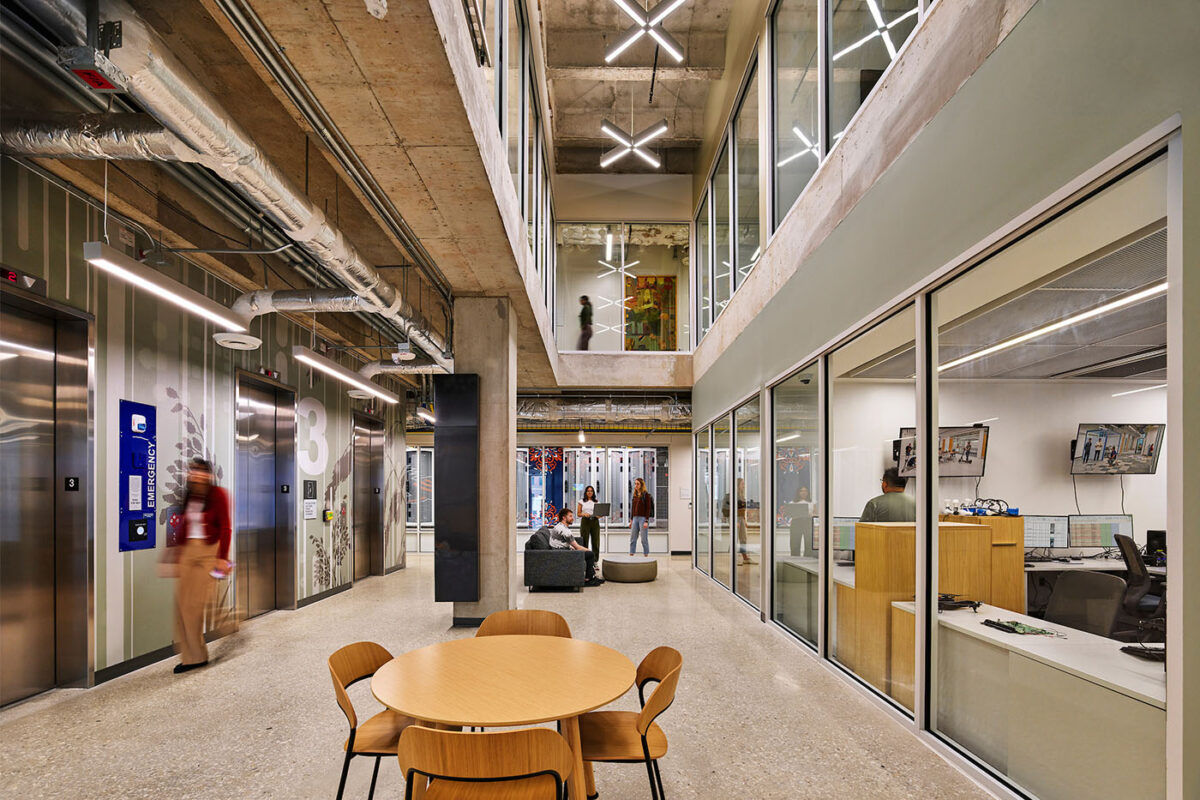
(506, 681)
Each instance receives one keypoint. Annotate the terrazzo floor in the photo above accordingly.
(754, 716)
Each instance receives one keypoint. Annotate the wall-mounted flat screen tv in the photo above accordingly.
(962, 452)
(1111, 449)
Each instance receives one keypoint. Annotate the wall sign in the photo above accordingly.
(138, 485)
(310, 499)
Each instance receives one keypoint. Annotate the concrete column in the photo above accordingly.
(485, 343)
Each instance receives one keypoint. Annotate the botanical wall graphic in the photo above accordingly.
(329, 560)
(193, 444)
(650, 317)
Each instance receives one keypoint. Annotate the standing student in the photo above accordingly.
(589, 524)
(741, 522)
(204, 537)
(642, 512)
(585, 322)
(801, 510)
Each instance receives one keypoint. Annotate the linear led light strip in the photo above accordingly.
(810, 147)
(647, 23)
(119, 265)
(1120, 302)
(881, 29)
(336, 370)
(1143, 389)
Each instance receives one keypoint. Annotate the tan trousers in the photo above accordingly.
(193, 594)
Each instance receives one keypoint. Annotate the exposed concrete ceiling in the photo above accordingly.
(584, 90)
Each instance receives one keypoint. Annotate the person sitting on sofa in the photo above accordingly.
(561, 538)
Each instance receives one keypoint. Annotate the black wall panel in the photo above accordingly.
(456, 502)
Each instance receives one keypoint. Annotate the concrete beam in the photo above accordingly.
(607, 371)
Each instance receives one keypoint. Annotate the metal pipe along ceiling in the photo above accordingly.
(607, 409)
(159, 82)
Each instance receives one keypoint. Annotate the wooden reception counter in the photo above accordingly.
(975, 560)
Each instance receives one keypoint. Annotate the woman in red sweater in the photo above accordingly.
(204, 536)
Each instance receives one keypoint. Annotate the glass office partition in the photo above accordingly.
(702, 498)
(795, 492)
(1052, 399)
(704, 308)
(530, 168)
(745, 137)
(425, 487)
(796, 147)
(723, 507)
(722, 257)
(745, 504)
(873, 527)
(866, 36)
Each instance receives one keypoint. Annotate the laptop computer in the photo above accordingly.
(601, 509)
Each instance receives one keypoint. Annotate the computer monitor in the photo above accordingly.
(1042, 531)
(842, 535)
(1098, 530)
(1156, 542)
(962, 452)
(1111, 449)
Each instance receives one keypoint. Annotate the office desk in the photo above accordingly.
(1161, 572)
(1071, 717)
(843, 576)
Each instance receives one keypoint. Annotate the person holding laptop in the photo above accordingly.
(589, 523)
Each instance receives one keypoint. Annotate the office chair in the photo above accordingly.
(1087, 601)
(1138, 603)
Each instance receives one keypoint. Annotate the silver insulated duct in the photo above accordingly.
(147, 71)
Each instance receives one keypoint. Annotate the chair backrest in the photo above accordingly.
(350, 664)
(657, 664)
(660, 699)
(524, 622)
(1139, 577)
(490, 756)
(1085, 600)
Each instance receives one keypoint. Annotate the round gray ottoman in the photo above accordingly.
(629, 569)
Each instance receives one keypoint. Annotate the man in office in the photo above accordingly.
(893, 505)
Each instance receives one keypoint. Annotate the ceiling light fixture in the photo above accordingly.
(882, 30)
(336, 370)
(632, 143)
(787, 438)
(608, 239)
(646, 23)
(809, 147)
(426, 414)
(119, 265)
(582, 438)
(1143, 389)
(1120, 302)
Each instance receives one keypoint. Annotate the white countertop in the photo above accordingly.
(1085, 655)
(842, 575)
(1094, 564)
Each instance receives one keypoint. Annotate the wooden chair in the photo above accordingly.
(524, 622)
(629, 736)
(380, 734)
(524, 764)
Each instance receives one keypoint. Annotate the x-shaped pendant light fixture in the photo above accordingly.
(647, 23)
(632, 143)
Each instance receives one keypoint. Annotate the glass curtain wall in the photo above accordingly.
(637, 278)
(795, 493)
(797, 98)
(723, 508)
(748, 235)
(522, 487)
(703, 493)
(513, 90)
(704, 306)
(866, 36)
(873, 504)
(1095, 388)
(418, 486)
(722, 256)
(745, 507)
(530, 167)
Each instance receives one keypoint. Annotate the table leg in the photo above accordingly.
(577, 781)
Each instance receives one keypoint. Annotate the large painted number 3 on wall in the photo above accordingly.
(312, 452)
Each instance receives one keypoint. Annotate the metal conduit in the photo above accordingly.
(155, 78)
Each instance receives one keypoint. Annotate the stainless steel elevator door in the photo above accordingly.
(27, 499)
(368, 498)
(255, 500)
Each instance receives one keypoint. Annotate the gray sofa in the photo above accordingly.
(545, 567)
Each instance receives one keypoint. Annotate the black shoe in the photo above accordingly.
(186, 667)
(593, 582)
